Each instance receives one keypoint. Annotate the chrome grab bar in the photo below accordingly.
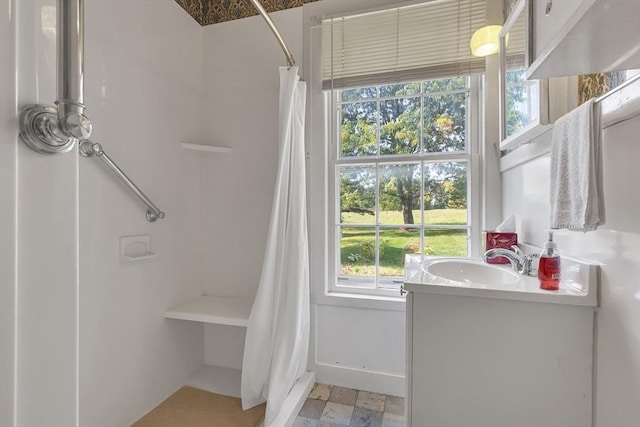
(89, 149)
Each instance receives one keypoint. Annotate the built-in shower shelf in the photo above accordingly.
(206, 148)
(213, 309)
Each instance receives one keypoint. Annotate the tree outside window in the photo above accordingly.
(402, 163)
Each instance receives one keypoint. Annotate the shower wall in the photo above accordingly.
(242, 89)
(84, 332)
(8, 167)
(47, 242)
(143, 84)
(241, 60)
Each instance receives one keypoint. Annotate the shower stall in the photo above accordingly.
(56, 130)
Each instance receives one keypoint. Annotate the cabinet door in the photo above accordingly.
(480, 362)
(584, 36)
(546, 25)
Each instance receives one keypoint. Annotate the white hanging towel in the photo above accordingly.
(277, 340)
(577, 201)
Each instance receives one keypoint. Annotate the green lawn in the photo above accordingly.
(357, 245)
(433, 216)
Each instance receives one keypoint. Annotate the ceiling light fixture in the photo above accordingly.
(484, 41)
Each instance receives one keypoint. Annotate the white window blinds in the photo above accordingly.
(424, 41)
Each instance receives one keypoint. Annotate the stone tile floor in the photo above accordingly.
(332, 406)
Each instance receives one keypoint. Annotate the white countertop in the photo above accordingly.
(578, 285)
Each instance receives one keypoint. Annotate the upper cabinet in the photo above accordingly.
(572, 37)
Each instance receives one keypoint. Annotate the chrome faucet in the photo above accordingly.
(521, 263)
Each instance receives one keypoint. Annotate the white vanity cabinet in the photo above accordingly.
(485, 362)
(500, 356)
(584, 36)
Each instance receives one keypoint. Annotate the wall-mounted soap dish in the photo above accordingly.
(135, 248)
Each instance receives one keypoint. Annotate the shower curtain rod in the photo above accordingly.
(290, 61)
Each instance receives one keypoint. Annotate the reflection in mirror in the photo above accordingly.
(522, 103)
(520, 94)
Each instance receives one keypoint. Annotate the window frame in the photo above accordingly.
(334, 160)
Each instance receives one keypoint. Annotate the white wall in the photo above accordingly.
(361, 348)
(242, 88)
(47, 239)
(8, 165)
(92, 346)
(241, 61)
(143, 93)
(616, 246)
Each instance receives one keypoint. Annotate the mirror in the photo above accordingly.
(523, 103)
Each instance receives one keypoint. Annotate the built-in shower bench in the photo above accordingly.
(226, 380)
(216, 310)
(230, 311)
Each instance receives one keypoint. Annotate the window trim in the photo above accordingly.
(484, 163)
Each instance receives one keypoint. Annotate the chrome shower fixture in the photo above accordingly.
(55, 130)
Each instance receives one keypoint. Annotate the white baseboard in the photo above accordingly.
(361, 379)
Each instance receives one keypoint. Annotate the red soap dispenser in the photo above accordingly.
(549, 267)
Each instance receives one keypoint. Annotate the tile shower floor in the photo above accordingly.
(332, 406)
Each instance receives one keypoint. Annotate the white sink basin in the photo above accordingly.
(472, 272)
(473, 277)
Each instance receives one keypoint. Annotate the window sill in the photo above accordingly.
(375, 302)
(524, 136)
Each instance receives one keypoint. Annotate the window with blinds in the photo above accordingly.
(425, 41)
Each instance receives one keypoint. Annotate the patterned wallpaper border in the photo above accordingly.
(595, 85)
(208, 12)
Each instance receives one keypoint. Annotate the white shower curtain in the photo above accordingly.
(277, 340)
